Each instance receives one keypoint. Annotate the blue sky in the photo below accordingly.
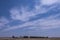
(30, 17)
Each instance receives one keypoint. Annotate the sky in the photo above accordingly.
(30, 18)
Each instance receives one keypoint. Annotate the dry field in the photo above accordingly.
(29, 38)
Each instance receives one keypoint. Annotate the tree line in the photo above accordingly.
(29, 37)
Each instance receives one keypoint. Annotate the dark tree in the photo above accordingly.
(13, 36)
(25, 36)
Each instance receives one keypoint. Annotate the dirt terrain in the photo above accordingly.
(29, 38)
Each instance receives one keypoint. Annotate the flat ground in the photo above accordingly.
(29, 38)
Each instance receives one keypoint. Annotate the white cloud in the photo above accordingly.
(43, 24)
(24, 15)
(46, 24)
(49, 2)
(3, 21)
(21, 14)
(50, 24)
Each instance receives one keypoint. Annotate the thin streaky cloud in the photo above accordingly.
(49, 2)
(24, 15)
(3, 21)
(47, 23)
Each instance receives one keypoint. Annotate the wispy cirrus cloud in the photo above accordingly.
(49, 2)
(3, 22)
(43, 24)
(24, 14)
